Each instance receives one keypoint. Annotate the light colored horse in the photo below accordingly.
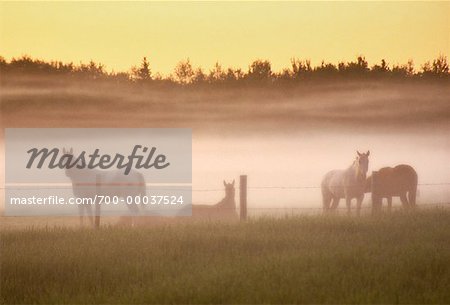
(400, 181)
(223, 210)
(349, 183)
(110, 183)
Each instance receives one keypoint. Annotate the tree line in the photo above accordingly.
(259, 71)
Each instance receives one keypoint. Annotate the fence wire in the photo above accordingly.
(153, 187)
(288, 209)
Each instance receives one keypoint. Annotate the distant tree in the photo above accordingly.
(142, 73)
(21, 62)
(355, 68)
(234, 75)
(65, 68)
(260, 70)
(24, 64)
(300, 68)
(381, 68)
(184, 73)
(399, 70)
(157, 76)
(362, 63)
(326, 70)
(427, 70)
(3, 63)
(410, 67)
(285, 75)
(440, 66)
(120, 76)
(91, 70)
(217, 74)
(403, 70)
(199, 76)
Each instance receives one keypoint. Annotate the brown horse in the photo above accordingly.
(223, 210)
(400, 181)
(349, 183)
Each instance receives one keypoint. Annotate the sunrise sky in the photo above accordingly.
(119, 34)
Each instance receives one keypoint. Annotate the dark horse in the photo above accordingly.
(349, 183)
(223, 210)
(400, 181)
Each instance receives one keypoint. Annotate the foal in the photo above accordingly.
(224, 209)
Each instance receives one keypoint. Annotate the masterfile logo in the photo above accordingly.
(67, 160)
(125, 171)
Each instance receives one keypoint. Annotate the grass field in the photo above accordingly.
(397, 258)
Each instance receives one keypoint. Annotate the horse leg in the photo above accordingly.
(326, 201)
(412, 193)
(335, 203)
(81, 214)
(404, 201)
(359, 201)
(348, 202)
(389, 200)
(377, 203)
(89, 215)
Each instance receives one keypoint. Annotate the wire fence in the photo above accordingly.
(155, 187)
(338, 208)
(254, 208)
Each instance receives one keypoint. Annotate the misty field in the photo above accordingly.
(282, 136)
(368, 105)
(395, 258)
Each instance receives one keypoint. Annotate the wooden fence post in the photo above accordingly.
(376, 200)
(97, 205)
(243, 197)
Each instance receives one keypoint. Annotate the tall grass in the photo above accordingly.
(396, 258)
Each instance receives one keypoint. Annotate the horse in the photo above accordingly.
(400, 181)
(223, 210)
(89, 183)
(348, 183)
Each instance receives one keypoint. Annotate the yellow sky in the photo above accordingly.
(119, 34)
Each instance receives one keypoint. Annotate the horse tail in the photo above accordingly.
(412, 194)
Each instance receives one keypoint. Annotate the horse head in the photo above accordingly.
(362, 165)
(229, 189)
